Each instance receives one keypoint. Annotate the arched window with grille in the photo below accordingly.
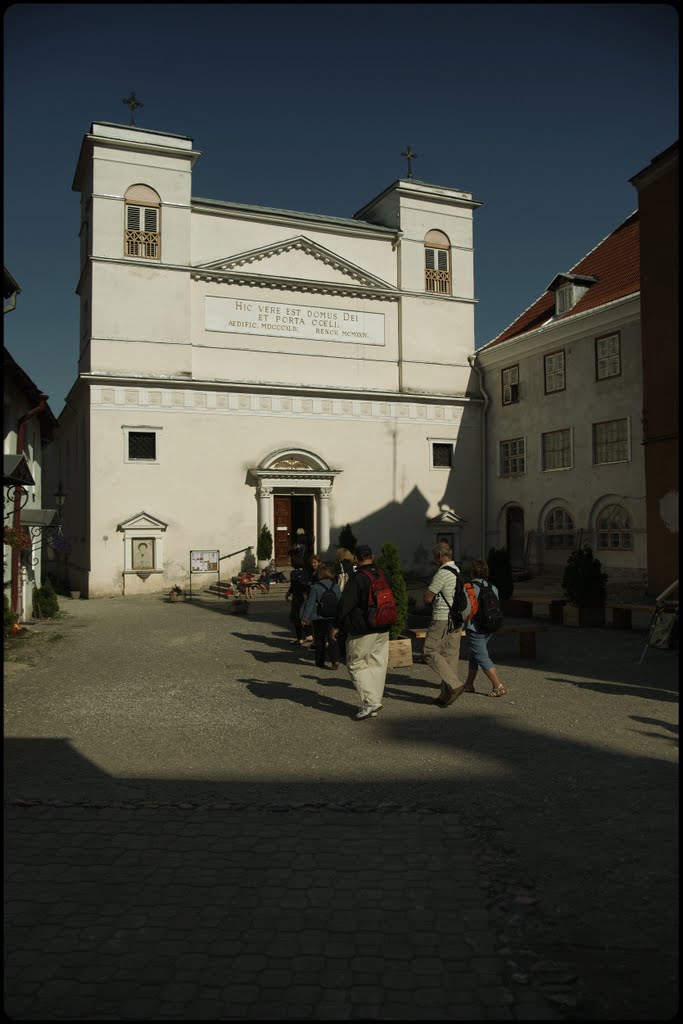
(142, 235)
(615, 529)
(559, 529)
(437, 263)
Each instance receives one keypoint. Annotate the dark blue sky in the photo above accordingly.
(544, 112)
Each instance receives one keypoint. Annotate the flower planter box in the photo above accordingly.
(517, 608)
(400, 653)
(573, 616)
(555, 610)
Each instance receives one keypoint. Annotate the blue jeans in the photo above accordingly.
(478, 644)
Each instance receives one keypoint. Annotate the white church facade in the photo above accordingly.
(242, 366)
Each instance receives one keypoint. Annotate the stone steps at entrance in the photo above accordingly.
(276, 590)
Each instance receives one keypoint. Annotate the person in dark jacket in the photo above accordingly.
(342, 571)
(322, 625)
(367, 647)
(299, 582)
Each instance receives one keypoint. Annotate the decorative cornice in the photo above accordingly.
(162, 398)
(296, 284)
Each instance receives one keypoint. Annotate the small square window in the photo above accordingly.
(556, 450)
(142, 445)
(512, 457)
(610, 442)
(554, 372)
(608, 357)
(510, 385)
(442, 455)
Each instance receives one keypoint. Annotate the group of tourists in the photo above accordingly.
(345, 610)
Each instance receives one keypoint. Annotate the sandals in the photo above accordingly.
(498, 691)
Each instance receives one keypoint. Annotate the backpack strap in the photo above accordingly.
(456, 573)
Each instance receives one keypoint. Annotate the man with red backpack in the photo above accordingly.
(366, 613)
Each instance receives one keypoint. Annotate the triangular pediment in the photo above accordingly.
(296, 259)
(446, 517)
(142, 521)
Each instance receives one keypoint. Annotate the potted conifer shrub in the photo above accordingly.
(400, 647)
(585, 586)
(500, 575)
(347, 538)
(264, 547)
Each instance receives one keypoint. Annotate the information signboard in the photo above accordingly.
(204, 561)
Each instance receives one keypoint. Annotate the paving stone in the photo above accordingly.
(175, 912)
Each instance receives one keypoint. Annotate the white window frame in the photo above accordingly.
(437, 270)
(564, 299)
(569, 448)
(445, 441)
(149, 235)
(567, 533)
(509, 378)
(553, 372)
(619, 441)
(608, 358)
(615, 531)
(508, 457)
(127, 430)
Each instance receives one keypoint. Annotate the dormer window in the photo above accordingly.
(564, 299)
(569, 289)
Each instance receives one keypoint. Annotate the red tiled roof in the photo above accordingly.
(615, 262)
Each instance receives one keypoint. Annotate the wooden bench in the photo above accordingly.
(622, 613)
(526, 634)
(523, 606)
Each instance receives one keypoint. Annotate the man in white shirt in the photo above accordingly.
(441, 648)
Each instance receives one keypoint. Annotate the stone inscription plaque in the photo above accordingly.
(289, 320)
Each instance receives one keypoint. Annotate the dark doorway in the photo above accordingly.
(292, 513)
(302, 520)
(282, 511)
(514, 535)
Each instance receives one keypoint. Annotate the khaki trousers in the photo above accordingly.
(367, 658)
(441, 652)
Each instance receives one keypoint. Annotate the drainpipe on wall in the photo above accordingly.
(472, 360)
(16, 519)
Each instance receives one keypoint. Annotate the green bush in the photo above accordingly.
(583, 581)
(500, 572)
(391, 563)
(45, 604)
(347, 539)
(264, 544)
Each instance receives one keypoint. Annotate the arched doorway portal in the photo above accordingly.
(293, 489)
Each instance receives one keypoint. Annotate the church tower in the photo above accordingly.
(135, 236)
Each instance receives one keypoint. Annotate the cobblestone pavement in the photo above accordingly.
(196, 828)
(208, 913)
